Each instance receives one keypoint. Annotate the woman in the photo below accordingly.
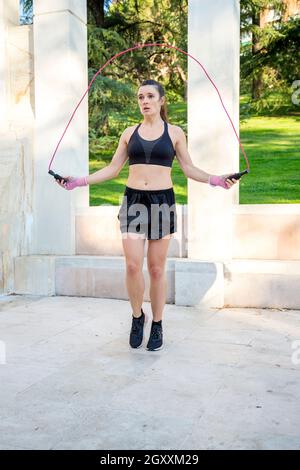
(151, 147)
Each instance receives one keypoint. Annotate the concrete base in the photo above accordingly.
(262, 283)
(225, 379)
(237, 283)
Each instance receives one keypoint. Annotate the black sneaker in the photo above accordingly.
(156, 338)
(137, 330)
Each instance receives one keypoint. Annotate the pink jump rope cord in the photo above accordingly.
(137, 47)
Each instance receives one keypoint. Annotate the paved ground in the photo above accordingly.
(226, 378)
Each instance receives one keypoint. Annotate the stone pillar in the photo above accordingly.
(13, 198)
(3, 58)
(9, 16)
(214, 29)
(60, 53)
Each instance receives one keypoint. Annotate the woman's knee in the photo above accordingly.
(156, 271)
(133, 268)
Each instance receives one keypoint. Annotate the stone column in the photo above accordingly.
(12, 201)
(214, 29)
(60, 53)
(9, 16)
(3, 58)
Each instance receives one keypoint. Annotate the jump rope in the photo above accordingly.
(235, 176)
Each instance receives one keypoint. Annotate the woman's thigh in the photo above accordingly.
(157, 252)
(134, 248)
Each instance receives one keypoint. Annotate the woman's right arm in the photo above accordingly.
(115, 166)
(108, 172)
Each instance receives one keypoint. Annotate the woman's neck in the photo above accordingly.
(154, 121)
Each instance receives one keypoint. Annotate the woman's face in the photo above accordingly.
(149, 101)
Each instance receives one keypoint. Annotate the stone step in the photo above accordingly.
(234, 283)
(262, 283)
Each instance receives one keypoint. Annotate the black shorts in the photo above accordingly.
(148, 211)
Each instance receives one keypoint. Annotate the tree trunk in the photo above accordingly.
(96, 11)
(259, 18)
(105, 125)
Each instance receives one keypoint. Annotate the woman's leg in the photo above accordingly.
(134, 246)
(156, 260)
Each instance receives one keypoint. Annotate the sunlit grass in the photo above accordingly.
(272, 146)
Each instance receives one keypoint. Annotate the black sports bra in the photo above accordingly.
(153, 152)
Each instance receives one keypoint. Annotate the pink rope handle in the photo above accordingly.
(138, 46)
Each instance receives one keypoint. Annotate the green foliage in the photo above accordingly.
(112, 97)
(276, 62)
(26, 9)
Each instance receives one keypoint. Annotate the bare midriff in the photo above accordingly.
(144, 176)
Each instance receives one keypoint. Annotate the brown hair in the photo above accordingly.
(161, 91)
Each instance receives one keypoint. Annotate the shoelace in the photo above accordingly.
(156, 332)
(135, 324)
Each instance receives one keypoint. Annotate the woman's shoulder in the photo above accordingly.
(129, 131)
(177, 128)
(131, 128)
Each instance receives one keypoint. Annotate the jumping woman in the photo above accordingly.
(148, 207)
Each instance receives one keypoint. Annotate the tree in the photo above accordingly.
(95, 11)
(273, 48)
(127, 23)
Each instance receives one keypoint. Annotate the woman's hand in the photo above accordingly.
(222, 181)
(63, 181)
(70, 183)
(228, 181)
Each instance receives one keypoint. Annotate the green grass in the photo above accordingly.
(272, 146)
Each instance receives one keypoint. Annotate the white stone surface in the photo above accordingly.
(199, 283)
(16, 140)
(265, 284)
(213, 39)
(240, 283)
(75, 7)
(225, 379)
(34, 275)
(102, 276)
(60, 82)
(266, 231)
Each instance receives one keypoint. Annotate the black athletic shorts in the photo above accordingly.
(148, 211)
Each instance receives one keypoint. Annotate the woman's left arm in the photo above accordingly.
(186, 164)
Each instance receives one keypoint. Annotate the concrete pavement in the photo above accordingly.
(225, 379)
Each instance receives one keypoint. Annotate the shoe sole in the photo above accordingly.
(156, 349)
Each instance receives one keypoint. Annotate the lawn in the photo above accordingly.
(272, 146)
